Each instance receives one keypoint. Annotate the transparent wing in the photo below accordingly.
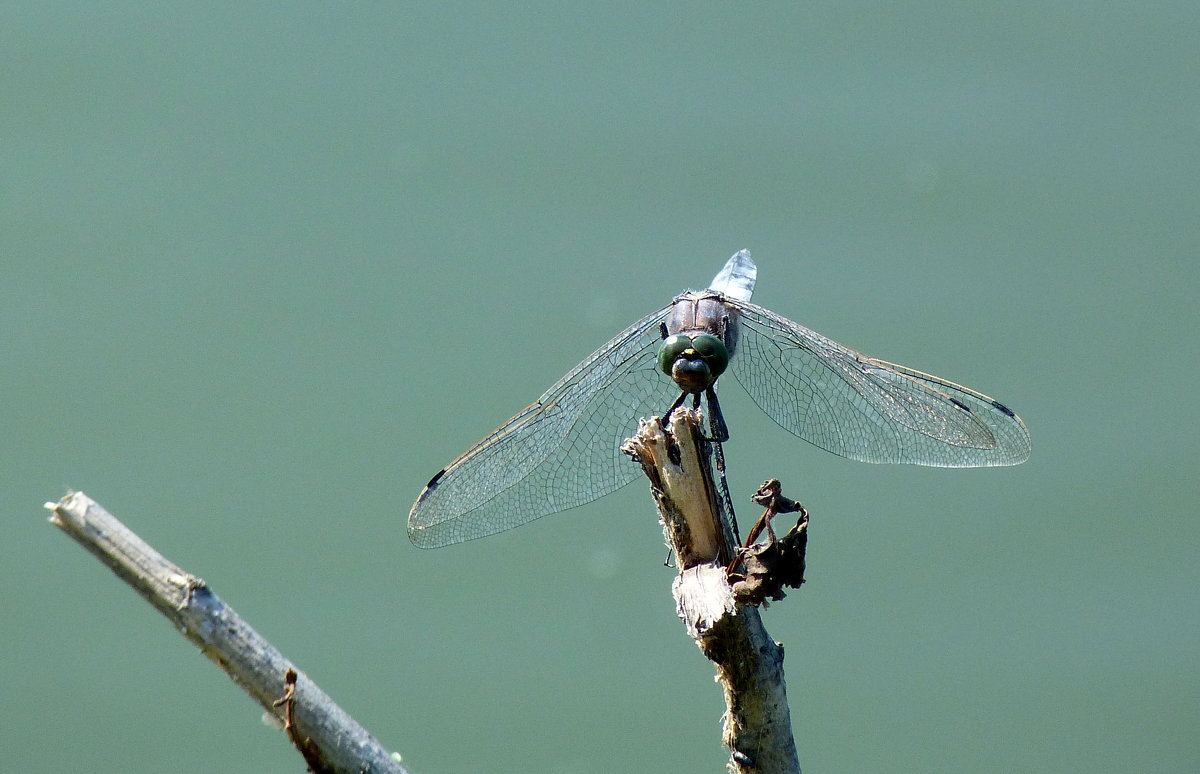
(868, 409)
(560, 452)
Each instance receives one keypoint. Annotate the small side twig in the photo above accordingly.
(757, 722)
(329, 739)
(307, 747)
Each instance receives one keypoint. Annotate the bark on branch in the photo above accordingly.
(328, 738)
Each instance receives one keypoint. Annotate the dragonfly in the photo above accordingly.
(563, 450)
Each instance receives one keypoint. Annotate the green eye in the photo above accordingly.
(670, 350)
(713, 351)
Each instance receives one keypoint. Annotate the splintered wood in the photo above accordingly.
(675, 460)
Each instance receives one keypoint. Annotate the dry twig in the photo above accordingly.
(758, 728)
(329, 739)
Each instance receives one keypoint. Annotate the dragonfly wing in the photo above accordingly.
(560, 452)
(868, 409)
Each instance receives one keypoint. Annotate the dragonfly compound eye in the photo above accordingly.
(671, 350)
(713, 351)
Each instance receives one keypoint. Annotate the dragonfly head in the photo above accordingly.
(694, 361)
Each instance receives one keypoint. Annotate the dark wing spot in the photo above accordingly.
(1003, 408)
(436, 477)
(961, 405)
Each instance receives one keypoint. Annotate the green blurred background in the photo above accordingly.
(265, 268)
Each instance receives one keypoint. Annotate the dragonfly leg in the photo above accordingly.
(678, 402)
(716, 420)
(667, 416)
